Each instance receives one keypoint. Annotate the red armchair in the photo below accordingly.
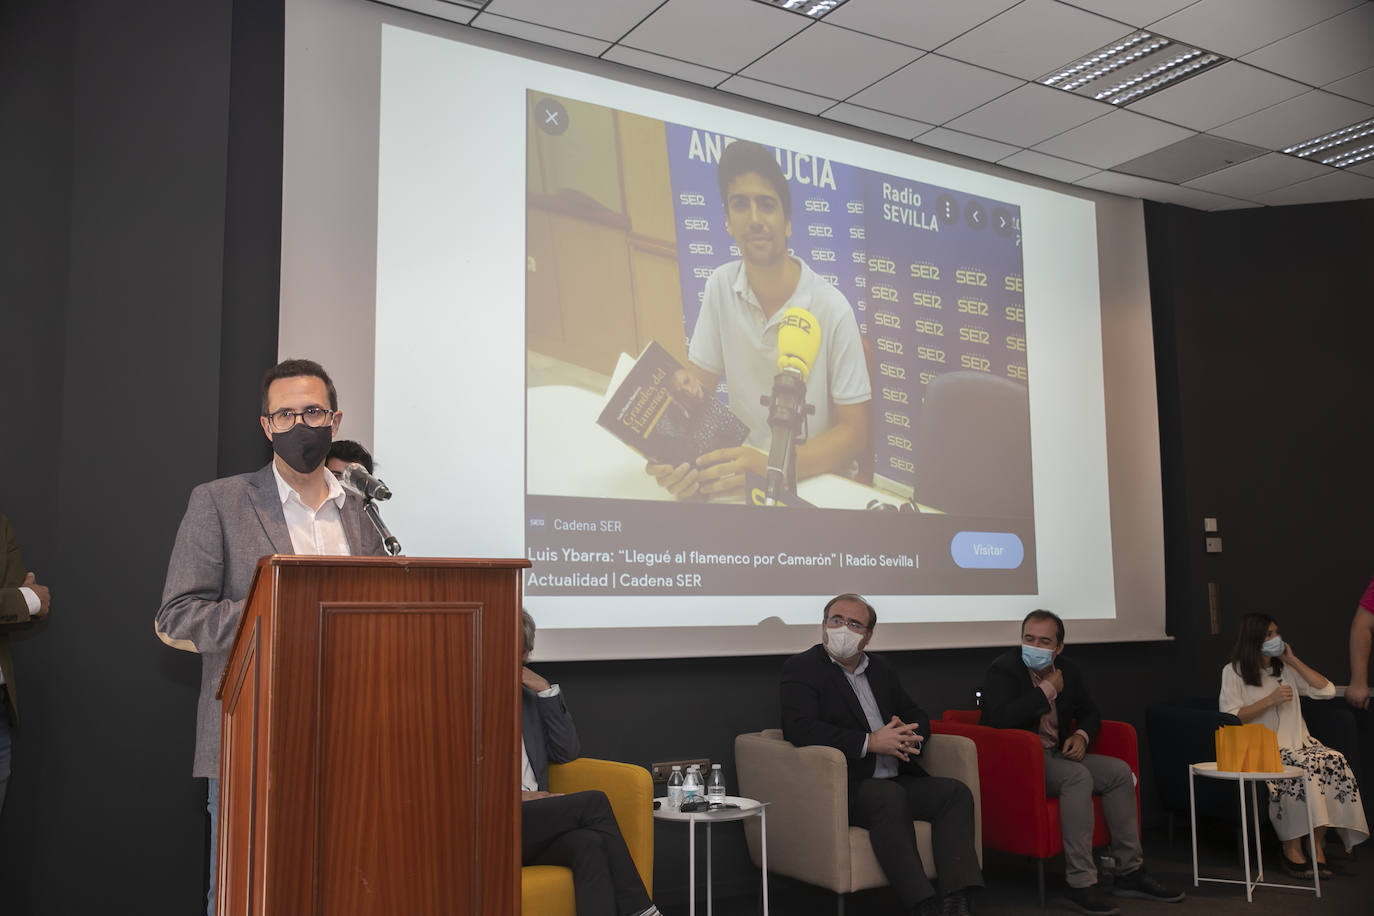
(1017, 816)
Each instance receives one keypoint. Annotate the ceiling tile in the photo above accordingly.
(1329, 51)
(966, 144)
(1363, 168)
(1136, 13)
(1048, 166)
(1236, 27)
(541, 34)
(1299, 118)
(852, 61)
(1115, 137)
(1335, 186)
(935, 89)
(921, 25)
(1033, 38)
(1130, 186)
(657, 63)
(1216, 96)
(776, 95)
(691, 30)
(1265, 173)
(1360, 86)
(436, 8)
(1028, 115)
(607, 19)
(1191, 158)
(1203, 200)
(878, 121)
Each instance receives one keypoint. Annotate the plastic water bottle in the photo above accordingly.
(715, 786)
(675, 787)
(691, 785)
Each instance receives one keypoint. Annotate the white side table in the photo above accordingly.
(748, 807)
(1210, 771)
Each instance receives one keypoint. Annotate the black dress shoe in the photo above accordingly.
(1301, 869)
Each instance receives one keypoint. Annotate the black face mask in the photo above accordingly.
(302, 447)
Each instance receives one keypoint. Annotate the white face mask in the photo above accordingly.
(1272, 647)
(842, 642)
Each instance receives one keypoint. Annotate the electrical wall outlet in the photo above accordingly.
(661, 771)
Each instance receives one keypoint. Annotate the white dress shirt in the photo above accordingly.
(314, 532)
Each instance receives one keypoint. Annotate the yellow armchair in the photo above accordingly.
(547, 890)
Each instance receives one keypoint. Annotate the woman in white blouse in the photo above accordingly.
(1262, 684)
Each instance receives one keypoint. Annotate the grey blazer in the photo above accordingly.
(229, 525)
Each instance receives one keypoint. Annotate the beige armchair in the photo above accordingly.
(809, 837)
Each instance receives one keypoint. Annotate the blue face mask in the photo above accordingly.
(1272, 647)
(1036, 658)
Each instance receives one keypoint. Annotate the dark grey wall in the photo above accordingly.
(139, 248)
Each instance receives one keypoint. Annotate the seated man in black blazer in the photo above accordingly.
(836, 694)
(1035, 689)
(578, 831)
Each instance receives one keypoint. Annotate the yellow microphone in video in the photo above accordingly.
(799, 341)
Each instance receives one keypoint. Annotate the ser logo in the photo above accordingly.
(820, 232)
(887, 320)
(861, 282)
(1015, 371)
(902, 464)
(973, 307)
(975, 362)
(696, 224)
(892, 418)
(893, 372)
(927, 377)
(882, 266)
(692, 200)
(931, 354)
(822, 254)
(1013, 284)
(1016, 313)
(970, 277)
(700, 248)
(925, 272)
(832, 279)
(896, 396)
(901, 442)
(701, 273)
(890, 346)
(855, 207)
(817, 206)
(975, 335)
(928, 300)
(929, 328)
(856, 232)
(883, 293)
(1016, 343)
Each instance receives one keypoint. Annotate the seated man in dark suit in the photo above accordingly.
(1035, 689)
(578, 831)
(836, 694)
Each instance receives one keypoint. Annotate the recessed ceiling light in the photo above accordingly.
(1339, 148)
(815, 9)
(1139, 64)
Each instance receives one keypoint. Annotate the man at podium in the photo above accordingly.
(291, 506)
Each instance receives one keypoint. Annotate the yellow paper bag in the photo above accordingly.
(1252, 748)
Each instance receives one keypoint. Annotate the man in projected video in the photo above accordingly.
(736, 335)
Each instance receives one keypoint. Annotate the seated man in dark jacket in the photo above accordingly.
(578, 831)
(1035, 689)
(836, 694)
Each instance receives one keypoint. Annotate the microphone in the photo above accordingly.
(357, 479)
(799, 342)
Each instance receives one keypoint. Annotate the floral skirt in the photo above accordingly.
(1335, 795)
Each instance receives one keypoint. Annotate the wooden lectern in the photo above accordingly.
(371, 729)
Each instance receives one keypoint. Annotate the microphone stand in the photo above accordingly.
(787, 412)
(393, 546)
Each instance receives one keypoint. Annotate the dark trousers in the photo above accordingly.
(580, 832)
(886, 808)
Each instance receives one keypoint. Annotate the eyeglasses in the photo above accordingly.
(282, 420)
(835, 620)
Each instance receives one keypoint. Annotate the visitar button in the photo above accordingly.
(987, 550)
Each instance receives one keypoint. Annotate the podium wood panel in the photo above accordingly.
(371, 724)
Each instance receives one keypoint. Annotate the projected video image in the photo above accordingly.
(653, 302)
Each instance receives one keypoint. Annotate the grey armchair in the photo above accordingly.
(809, 837)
